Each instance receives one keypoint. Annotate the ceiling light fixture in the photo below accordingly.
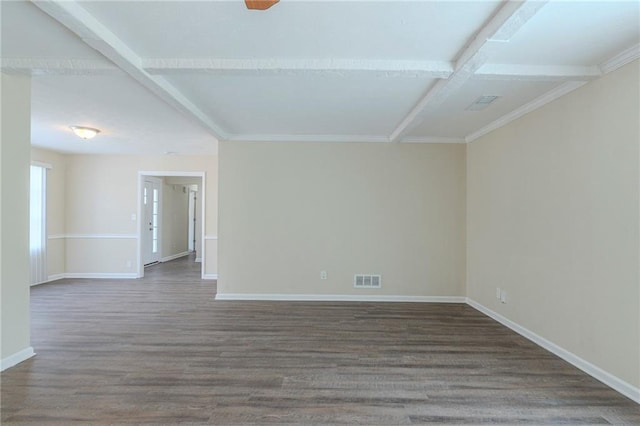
(84, 132)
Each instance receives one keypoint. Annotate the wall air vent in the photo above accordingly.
(367, 281)
(481, 103)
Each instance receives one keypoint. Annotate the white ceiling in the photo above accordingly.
(177, 76)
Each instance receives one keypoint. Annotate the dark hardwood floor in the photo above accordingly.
(161, 351)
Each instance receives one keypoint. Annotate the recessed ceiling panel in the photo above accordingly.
(574, 33)
(131, 119)
(426, 30)
(453, 120)
(353, 103)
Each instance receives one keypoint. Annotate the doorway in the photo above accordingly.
(151, 220)
(171, 212)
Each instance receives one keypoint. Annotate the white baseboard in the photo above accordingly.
(50, 278)
(111, 275)
(198, 259)
(608, 379)
(174, 256)
(339, 298)
(210, 277)
(56, 277)
(16, 358)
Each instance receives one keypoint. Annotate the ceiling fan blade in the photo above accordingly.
(260, 4)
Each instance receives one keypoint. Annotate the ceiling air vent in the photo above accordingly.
(481, 103)
(367, 281)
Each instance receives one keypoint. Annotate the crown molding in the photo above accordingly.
(621, 59)
(431, 139)
(307, 138)
(550, 96)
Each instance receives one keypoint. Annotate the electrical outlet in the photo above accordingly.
(323, 275)
(498, 293)
(503, 297)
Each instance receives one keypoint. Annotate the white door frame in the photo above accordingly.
(141, 177)
(158, 257)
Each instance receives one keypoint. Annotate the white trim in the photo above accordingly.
(163, 66)
(339, 298)
(621, 59)
(16, 358)
(210, 277)
(41, 164)
(54, 66)
(520, 72)
(198, 260)
(56, 237)
(210, 237)
(430, 139)
(50, 278)
(174, 256)
(98, 236)
(203, 197)
(306, 138)
(111, 275)
(56, 277)
(550, 96)
(608, 379)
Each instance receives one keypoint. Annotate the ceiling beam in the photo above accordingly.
(95, 34)
(428, 69)
(55, 66)
(537, 72)
(504, 24)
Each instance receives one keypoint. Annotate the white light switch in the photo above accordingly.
(133, 217)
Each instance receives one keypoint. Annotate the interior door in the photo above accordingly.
(151, 224)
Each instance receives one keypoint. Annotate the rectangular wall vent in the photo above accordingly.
(482, 102)
(367, 281)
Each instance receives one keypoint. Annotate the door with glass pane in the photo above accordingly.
(151, 224)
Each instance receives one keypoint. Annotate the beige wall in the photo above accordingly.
(14, 215)
(175, 219)
(290, 210)
(101, 196)
(55, 208)
(553, 211)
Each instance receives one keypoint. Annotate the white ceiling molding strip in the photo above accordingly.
(54, 66)
(95, 34)
(308, 138)
(431, 69)
(430, 139)
(621, 59)
(504, 24)
(550, 96)
(536, 72)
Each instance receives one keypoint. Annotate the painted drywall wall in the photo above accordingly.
(102, 196)
(14, 217)
(290, 210)
(55, 208)
(175, 219)
(553, 220)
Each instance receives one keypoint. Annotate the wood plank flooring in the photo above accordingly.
(162, 351)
